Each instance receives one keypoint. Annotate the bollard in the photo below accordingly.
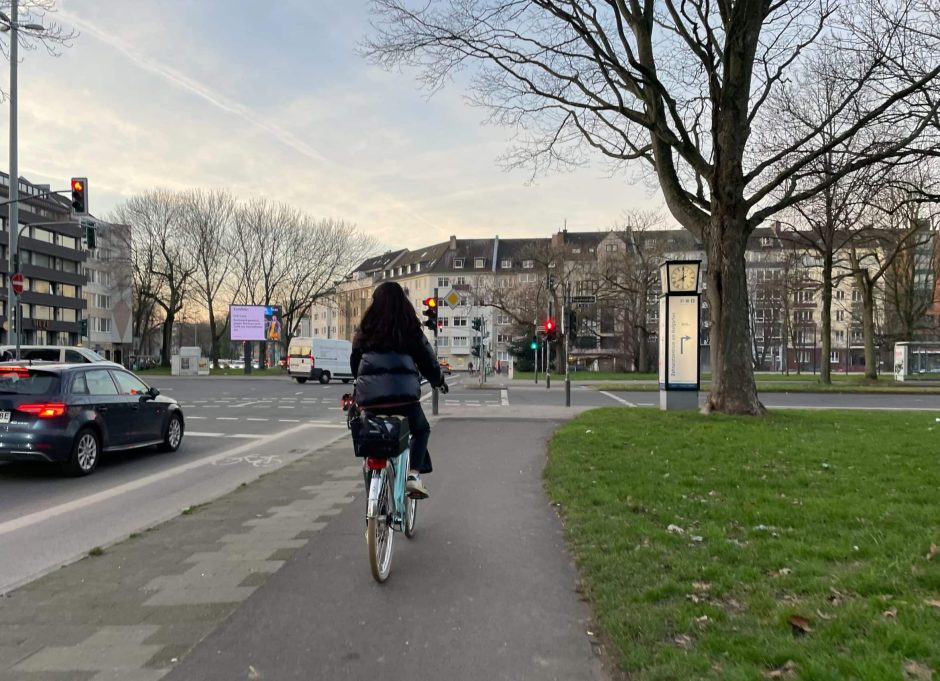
(567, 391)
(548, 380)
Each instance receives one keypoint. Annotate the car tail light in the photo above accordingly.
(44, 410)
(20, 372)
(313, 362)
(375, 464)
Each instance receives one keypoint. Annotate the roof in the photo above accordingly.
(379, 262)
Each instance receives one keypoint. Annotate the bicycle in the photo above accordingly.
(389, 509)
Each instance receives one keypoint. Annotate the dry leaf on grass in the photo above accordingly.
(787, 671)
(890, 613)
(800, 624)
(675, 529)
(683, 641)
(917, 671)
(934, 551)
(782, 572)
(933, 603)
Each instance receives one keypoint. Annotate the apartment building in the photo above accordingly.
(109, 292)
(51, 258)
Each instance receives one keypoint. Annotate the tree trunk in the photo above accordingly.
(214, 340)
(643, 350)
(733, 389)
(167, 339)
(825, 370)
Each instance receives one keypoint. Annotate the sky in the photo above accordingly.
(270, 99)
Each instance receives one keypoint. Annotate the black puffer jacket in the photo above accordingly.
(393, 377)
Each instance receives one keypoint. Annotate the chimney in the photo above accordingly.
(453, 243)
(558, 239)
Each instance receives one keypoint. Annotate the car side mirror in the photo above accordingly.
(153, 392)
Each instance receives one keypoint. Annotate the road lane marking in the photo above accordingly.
(193, 418)
(254, 419)
(288, 420)
(226, 418)
(104, 495)
(504, 397)
(194, 433)
(248, 404)
(618, 399)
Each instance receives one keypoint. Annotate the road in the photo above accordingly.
(240, 428)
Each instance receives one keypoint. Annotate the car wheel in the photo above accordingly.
(300, 379)
(325, 377)
(173, 436)
(86, 450)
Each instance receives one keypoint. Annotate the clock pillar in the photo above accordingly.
(679, 335)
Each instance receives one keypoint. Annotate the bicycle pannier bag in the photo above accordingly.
(379, 437)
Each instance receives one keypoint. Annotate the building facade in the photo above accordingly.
(51, 258)
(109, 293)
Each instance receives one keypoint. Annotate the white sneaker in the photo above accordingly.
(415, 489)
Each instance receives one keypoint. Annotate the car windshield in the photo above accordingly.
(20, 380)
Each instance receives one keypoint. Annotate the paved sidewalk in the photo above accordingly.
(272, 582)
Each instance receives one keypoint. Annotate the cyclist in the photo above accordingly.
(389, 355)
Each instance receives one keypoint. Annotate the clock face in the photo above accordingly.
(683, 278)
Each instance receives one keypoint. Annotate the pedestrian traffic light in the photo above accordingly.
(79, 195)
(91, 237)
(534, 345)
(477, 346)
(430, 311)
(477, 323)
(83, 328)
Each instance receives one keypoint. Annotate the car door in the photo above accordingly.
(111, 407)
(148, 412)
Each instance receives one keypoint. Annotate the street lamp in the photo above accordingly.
(11, 24)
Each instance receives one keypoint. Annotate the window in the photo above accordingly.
(460, 341)
(99, 382)
(840, 315)
(840, 337)
(503, 318)
(458, 263)
(503, 338)
(610, 248)
(460, 281)
(804, 315)
(506, 264)
(101, 324)
(840, 295)
(805, 296)
(41, 260)
(128, 384)
(575, 250)
(460, 321)
(528, 278)
(445, 321)
(528, 264)
(804, 357)
(479, 262)
(103, 301)
(67, 314)
(40, 234)
(834, 356)
(68, 266)
(79, 385)
(443, 282)
(74, 357)
(857, 336)
(42, 312)
(856, 295)
(40, 286)
(443, 342)
(68, 241)
(766, 241)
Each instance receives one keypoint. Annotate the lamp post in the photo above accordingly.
(11, 24)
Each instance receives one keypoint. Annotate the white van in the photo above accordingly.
(65, 354)
(319, 359)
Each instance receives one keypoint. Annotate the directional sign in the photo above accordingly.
(575, 300)
(17, 281)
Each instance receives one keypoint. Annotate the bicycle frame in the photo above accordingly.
(397, 468)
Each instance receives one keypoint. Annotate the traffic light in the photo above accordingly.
(430, 311)
(475, 350)
(550, 329)
(83, 328)
(534, 345)
(79, 195)
(477, 323)
(91, 236)
(572, 323)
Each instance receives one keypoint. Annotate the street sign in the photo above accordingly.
(583, 300)
(452, 299)
(17, 281)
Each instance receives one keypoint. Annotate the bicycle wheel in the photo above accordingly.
(411, 516)
(380, 535)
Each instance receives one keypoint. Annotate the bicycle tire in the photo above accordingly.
(380, 535)
(411, 516)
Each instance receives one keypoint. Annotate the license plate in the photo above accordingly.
(4, 417)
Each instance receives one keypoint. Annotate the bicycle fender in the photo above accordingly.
(375, 488)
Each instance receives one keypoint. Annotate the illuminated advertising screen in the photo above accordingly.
(255, 322)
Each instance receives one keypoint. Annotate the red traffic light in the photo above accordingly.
(550, 325)
(77, 185)
(430, 302)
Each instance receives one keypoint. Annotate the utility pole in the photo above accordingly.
(435, 398)
(13, 303)
(565, 307)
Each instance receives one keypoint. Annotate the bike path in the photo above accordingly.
(272, 581)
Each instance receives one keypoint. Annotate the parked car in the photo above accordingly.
(68, 354)
(71, 413)
(446, 367)
(320, 359)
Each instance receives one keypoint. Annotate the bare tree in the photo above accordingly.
(53, 37)
(210, 219)
(163, 255)
(682, 87)
(321, 253)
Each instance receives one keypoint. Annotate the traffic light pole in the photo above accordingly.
(565, 305)
(13, 302)
(435, 395)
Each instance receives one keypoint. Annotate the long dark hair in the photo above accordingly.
(390, 323)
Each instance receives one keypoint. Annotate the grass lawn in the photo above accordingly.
(589, 376)
(795, 387)
(790, 546)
